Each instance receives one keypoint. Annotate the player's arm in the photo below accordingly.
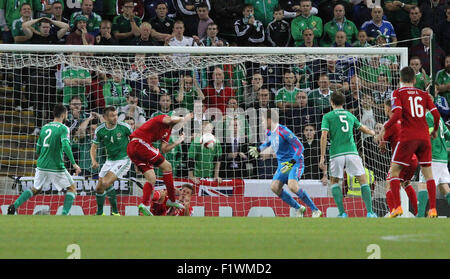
(68, 151)
(436, 116)
(323, 149)
(366, 130)
(93, 154)
(173, 120)
(166, 147)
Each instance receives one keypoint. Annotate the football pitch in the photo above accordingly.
(106, 237)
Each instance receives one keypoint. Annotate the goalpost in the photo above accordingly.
(36, 77)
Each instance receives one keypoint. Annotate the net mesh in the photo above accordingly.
(298, 86)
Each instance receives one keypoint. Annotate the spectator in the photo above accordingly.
(263, 10)
(338, 23)
(164, 106)
(410, 31)
(338, 76)
(443, 33)
(133, 110)
(249, 31)
(82, 145)
(352, 99)
(95, 90)
(264, 99)
(152, 6)
(433, 12)
(125, 27)
(361, 13)
(75, 117)
(116, 90)
(303, 73)
(251, 90)
(203, 20)
(178, 39)
(150, 91)
(10, 11)
(145, 38)
(105, 37)
(422, 79)
(388, 60)
(57, 10)
(204, 162)
(186, 10)
(377, 26)
(44, 36)
(305, 20)
(272, 74)
(225, 13)
(326, 9)
(370, 71)
(93, 19)
(285, 96)
(308, 39)
(373, 158)
(442, 81)
(162, 23)
(422, 50)
(17, 31)
(130, 121)
(381, 92)
(139, 9)
(75, 81)
(290, 8)
(217, 94)
(311, 155)
(188, 92)
(362, 40)
(397, 11)
(340, 40)
(303, 115)
(235, 146)
(211, 38)
(320, 97)
(368, 115)
(79, 34)
(278, 31)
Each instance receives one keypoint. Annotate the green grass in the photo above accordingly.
(215, 237)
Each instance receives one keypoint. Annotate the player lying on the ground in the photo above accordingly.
(145, 156)
(53, 141)
(159, 199)
(339, 123)
(113, 135)
(289, 152)
(392, 135)
(409, 105)
(439, 165)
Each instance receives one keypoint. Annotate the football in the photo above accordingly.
(208, 140)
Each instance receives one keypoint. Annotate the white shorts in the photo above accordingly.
(352, 163)
(440, 173)
(61, 180)
(119, 167)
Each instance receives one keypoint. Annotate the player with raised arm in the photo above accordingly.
(439, 165)
(392, 135)
(113, 135)
(53, 141)
(409, 105)
(289, 151)
(145, 156)
(339, 124)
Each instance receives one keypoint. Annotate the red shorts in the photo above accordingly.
(144, 155)
(405, 149)
(407, 173)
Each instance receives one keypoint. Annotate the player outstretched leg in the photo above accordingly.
(277, 188)
(26, 195)
(147, 192)
(166, 169)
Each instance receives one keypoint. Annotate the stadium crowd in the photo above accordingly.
(301, 91)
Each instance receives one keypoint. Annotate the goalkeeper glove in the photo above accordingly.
(253, 151)
(288, 166)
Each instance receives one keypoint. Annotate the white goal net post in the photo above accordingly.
(35, 79)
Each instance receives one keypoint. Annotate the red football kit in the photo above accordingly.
(161, 209)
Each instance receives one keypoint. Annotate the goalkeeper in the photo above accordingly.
(289, 151)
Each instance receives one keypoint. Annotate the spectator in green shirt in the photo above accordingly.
(422, 79)
(75, 80)
(126, 26)
(320, 98)
(93, 19)
(116, 90)
(339, 23)
(443, 80)
(363, 39)
(17, 30)
(188, 92)
(304, 21)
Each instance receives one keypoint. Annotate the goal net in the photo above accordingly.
(229, 91)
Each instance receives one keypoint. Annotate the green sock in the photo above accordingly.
(338, 197)
(68, 202)
(367, 197)
(447, 197)
(100, 201)
(23, 198)
(422, 198)
(111, 193)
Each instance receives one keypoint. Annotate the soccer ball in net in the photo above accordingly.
(208, 140)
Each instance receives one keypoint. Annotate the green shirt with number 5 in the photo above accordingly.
(340, 123)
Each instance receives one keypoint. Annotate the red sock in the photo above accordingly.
(395, 189)
(146, 193)
(168, 180)
(431, 187)
(412, 197)
(390, 200)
